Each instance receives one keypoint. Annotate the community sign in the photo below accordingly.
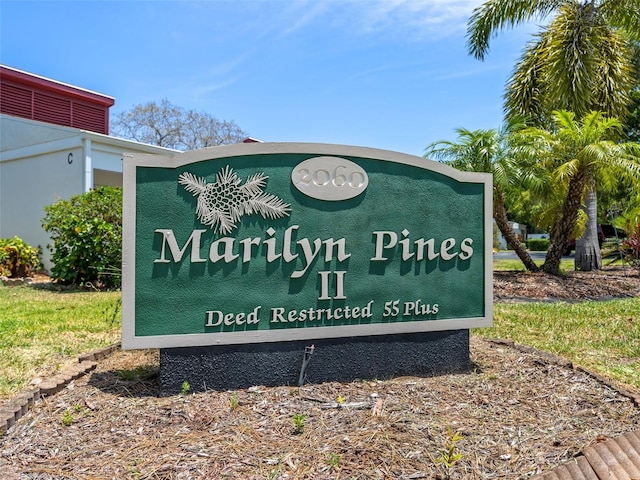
(270, 242)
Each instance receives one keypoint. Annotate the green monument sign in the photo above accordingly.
(264, 242)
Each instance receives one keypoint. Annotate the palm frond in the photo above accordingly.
(495, 15)
(525, 91)
(566, 122)
(615, 74)
(624, 15)
(573, 56)
(567, 169)
(580, 61)
(625, 160)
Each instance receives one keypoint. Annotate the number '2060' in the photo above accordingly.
(321, 177)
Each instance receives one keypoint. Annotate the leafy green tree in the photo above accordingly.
(581, 61)
(576, 152)
(488, 151)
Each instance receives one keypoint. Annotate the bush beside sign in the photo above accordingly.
(262, 242)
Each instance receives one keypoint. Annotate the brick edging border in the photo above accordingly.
(12, 410)
(552, 359)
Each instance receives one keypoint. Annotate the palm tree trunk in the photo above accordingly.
(563, 229)
(500, 215)
(588, 255)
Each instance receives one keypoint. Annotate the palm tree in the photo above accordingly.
(588, 254)
(581, 61)
(576, 152)
(487, 151)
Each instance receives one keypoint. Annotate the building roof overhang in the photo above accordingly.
(73, 139)
(54, 86)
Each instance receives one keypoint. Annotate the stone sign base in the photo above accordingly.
(229, 367)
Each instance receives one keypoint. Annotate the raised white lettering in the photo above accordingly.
(272, 256)
(381, 246)
(421, 243)
(246, 248)
(340, 244)
(445, 248)
(309, 255)
(465, 249)
(406, 253)
(176, 253)
(216, 318)
(287, 256)
(228, 256)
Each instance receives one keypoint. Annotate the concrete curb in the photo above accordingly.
(17, 406)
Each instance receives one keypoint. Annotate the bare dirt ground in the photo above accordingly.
(518, 412)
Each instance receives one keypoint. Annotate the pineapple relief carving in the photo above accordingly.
(223, 203)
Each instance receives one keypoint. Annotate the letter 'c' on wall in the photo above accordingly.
(329, 178)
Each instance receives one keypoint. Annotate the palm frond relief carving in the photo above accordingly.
(223, 203)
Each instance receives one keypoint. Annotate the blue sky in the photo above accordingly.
(384, 74)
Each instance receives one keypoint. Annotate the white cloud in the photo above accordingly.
(409, 19)
(303, 14)
(434, 15)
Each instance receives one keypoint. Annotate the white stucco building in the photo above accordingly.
(53, 145)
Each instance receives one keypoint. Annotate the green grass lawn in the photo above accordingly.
(517, 266)
(42, 330)
(601, 336)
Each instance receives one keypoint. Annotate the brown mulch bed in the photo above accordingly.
(608, 283)
(519, 412)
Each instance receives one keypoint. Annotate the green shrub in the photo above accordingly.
(538, 244)
(87, 238)
(17, 259)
